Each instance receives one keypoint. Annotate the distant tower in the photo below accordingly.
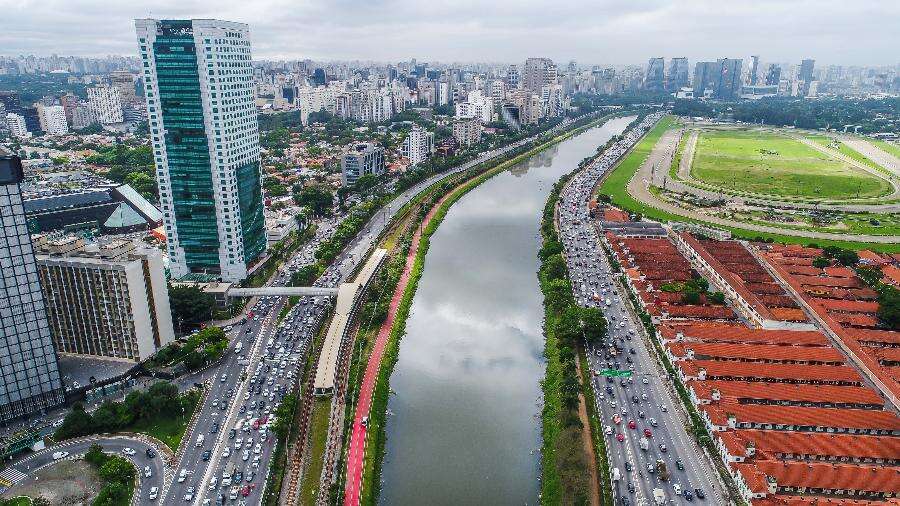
(754, 70)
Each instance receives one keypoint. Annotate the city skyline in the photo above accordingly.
(613, 33)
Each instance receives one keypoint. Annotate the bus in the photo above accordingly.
(227, 474)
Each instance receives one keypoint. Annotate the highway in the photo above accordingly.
(273, 352)
(645, 398)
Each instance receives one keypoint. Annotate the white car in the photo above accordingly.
(128, 451)
(60, 455)
(154, 493)
(147, 472)
(246, 455)
(182, 476)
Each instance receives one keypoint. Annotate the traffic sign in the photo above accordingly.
(615, 372)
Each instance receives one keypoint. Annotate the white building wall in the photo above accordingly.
(106, 104)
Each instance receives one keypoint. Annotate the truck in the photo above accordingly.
(616, 475)
(645, 445)
(661, 470)
(659, 497)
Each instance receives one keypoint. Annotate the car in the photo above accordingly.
(154, 493)
(631, 487)
(250, 476)
(226, 452)
(206, 455)
(223, 379)
(365, 421)
(645, 381)
(653, 422)
(634, 399)
(617, 419)
(128, 451)
(189, 494)
(676, 488)
(608, 430)
(150, 453)
(647, 433)
(632, 424)
(662, 448)
(246, 455)
(60, 455)
(663, 408)
(640, 414)
(688, 495)
(679, 464)
(651, 467)
(182, 476)
(628, 466)
(700, 494)
(620, 437)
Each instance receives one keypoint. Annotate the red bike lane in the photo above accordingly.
(357, 450)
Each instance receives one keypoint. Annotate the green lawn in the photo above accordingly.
(169, 430)
(846, 150)
(16, 501)
(318, 435)
(616, 184)
(891, 147)
(769, 163)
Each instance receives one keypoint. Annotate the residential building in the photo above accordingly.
(805, 76)
(106, 104)
(754, 71)
(498, 92)
(200, 102)
(678, 74)
(124, 82)
(467, 131)
(106, 300)
(418, 145)
(29, 374)
(729, 78)
(513, 77)
(82, 117)
(15, 123)
(53, 119)
(538, 73)
(362, 158)
(706, 77)
(476, 106)
(654, 79)
(773, 75)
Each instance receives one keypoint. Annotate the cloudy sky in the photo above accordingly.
(863, 32)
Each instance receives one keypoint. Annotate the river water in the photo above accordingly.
(464, 416)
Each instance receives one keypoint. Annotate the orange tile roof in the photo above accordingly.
(847, 306)
(875, 336)
(737, 333)
(804, 416)
(789, 314)
(833, 476)
(819, 444)
(708, 312)
(753, 390)
(824, 373)
(891, 274)
(758, 352)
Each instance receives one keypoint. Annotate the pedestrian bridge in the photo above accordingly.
(284, 291)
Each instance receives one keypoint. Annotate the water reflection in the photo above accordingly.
(465, 428)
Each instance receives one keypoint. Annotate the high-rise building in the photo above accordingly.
(806, 70)
(106, 104)
(15, 123)
(706, 77)
(10, 100)
(513, 77)
(729, 79)
(200, 102)
(418, 145)
(105, 300)
(362, 158)
(124, 81)
(82, 117)
(655, 78)
(539, 72)
(754, 70)
(467, 131)
(29, 373)
(678, 74)
(773, 75)
(53, 119)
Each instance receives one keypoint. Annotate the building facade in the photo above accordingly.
(106, 104)
(15, 123)
(539, 72)
(467, 131)
(361, 159)
(655, 78)
(678, 74)
(53, 120)
(200, 103)
(107, 300)
(418, 145)
(29, 373)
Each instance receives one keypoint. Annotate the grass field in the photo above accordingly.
(891, 147)
(846, 150)
(318, 428)
(771, 164)
(615, 185)
(168, 429)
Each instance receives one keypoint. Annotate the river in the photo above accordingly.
(464, 415)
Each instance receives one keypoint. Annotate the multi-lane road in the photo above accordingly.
(644, 400)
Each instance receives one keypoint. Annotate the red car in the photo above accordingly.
(617, 419)
(648, 433)
(620, 437)
(245, 491)
(631, 424)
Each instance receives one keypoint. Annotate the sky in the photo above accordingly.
(843, 32)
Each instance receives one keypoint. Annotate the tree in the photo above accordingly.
(690, 298)
(889, 307)
(821, 262)
(594, 324)
(554, 267)
(848, 258)
(716, 298)
(117, 469)
(77, 423)
(317, 198)
(190, 305)
(142, 183)
(95, 455)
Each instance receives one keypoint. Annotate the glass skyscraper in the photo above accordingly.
(198, 81)
(29, 373)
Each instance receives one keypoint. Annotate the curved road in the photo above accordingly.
(661, 156)
(21, 470)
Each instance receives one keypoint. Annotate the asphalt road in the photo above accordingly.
(231, 400)
(111, 444)
(656, 408)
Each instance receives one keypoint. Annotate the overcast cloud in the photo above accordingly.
(864, 32)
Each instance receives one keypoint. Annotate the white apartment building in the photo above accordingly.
(467, 131)
(498, 92)
(199, 85)
(109, 300)
(418, 145)
(53, 119)
(106, 104)
(16, 125)
(476, 106)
